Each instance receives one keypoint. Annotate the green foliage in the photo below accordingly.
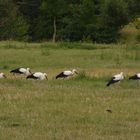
(82, 76)
(16, 29)
(133, 9)
(61, 20)
(114, 17)
(30, 10)
(19, 29)
(13, 25)
(42, 29)
(114, 13)
(53, 16)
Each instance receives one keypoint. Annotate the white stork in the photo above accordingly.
(135, 77)
(2, 75)
(25, 71)
(116, 78)
(66, 73)
(37, 76)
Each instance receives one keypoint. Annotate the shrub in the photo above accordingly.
(82, 75)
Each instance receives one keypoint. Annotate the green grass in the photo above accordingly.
(129, 34)
(74, 108)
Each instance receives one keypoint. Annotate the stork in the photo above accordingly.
(116, 78)
(66, 73)
(37, 76)
(135, 77)
(25, 71)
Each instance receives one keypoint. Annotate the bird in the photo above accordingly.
(66, 73)
(135, 77)
(2, 75)
(109, 110)
(37, 76)
(116, 78)
(21, 70)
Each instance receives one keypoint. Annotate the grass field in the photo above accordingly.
(75, 108)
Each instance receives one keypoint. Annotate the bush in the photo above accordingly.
(82, 76)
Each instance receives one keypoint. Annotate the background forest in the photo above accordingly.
(66, 20)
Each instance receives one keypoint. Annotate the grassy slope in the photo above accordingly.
(129, 35)
(70, 109)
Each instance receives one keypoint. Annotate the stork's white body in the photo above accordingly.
(2, 75)
(116, 78)
(38, 76)
(25, 71)
(138, 75)
(66, 73)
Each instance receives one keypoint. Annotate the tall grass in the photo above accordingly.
(58, 45)
(129, 35)
(73, 108)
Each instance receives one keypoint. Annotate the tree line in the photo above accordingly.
(66, 20)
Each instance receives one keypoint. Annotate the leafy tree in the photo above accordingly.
(73, 28)
(73, 20)
(55, 10)
(133, 8)
(90, 17)
(30, 9)
(114, 16)
(12, 25)
(80, 22)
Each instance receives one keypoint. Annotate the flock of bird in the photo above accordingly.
(38, 75)
(119, 77)
(41, 76)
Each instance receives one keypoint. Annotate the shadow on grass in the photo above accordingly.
(8, 121)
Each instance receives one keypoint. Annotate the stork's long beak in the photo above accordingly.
(46, 77)
(76, 72)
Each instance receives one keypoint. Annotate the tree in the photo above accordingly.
(90, 15)
(133, 8)
(72, 20)
(114, 16)
(30, 9)
(12, 25)
(54, 9)
(80, 21)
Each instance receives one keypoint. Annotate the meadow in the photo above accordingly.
(74, 108)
